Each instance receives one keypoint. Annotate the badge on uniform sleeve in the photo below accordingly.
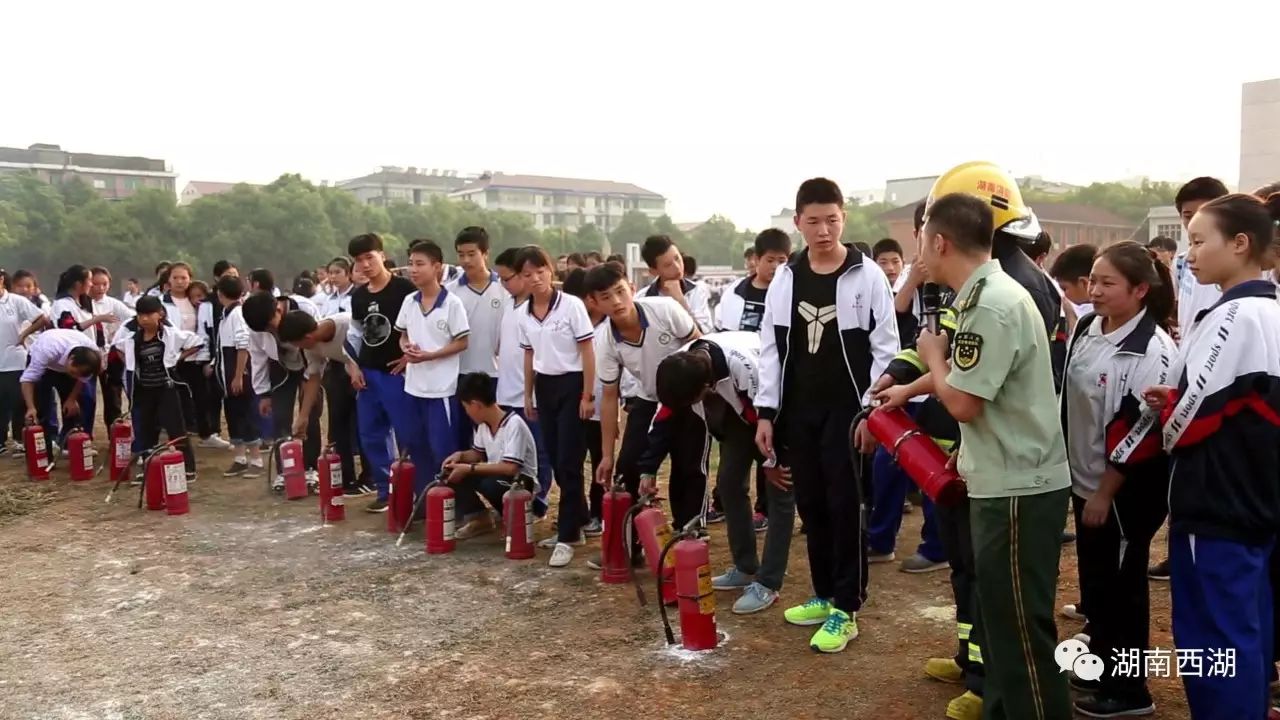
(968, 350)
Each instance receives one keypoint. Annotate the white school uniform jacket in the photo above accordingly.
(865, 318)
(1101, 403)
(485, 307)
(1222, 427)
(698, 297)
(111, 306)
(175, 342)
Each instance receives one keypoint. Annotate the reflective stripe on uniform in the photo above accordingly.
(912, 357)
(975, 653)
(963, 630)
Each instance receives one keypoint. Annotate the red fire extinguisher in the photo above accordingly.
(80, 455)
(655, 533)
(121, 448)
(38, 464)
(441, 525)
(916, 453)
(174, 469)
(400, 501)
(165, 470)
(332, 504)
(517, 519)
(292, 467)
(697, 601)
(615, 543)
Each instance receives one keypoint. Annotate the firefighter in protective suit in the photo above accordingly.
(1015, 227)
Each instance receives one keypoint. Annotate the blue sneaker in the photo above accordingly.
(754, 599)
(732, 579)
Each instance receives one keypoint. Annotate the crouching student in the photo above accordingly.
(1221, 428)
(1119, 475)
(152, 349)
(61, 361)
(231, 368)
(433, 331)
(716, 377)
(503, 453)
(323, 342)
(278, 371)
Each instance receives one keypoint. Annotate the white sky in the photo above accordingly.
(720, 107)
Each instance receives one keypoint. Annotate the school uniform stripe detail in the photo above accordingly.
(1024, 637)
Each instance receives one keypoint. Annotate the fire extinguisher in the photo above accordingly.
(38, 465)
(80, 455)
(400, 501)
(517, 519)
(615, 543)
(441, 525)
(292, 466)
(697, 601)
(121, 448)
(166, 480)
(915, 452)
(655, 533)
(332, 503)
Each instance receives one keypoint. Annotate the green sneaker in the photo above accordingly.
(814, 611)
(835, 633)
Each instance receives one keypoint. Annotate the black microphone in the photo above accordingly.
(931, 300)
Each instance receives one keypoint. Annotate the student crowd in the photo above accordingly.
(1127, 385)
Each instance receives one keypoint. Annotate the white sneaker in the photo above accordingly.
(551, 542)
(214, 441)
(278, 484)
(561, 556)
(313, 480)
(1072, 612)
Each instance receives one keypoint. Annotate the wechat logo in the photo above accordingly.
(1074, 655)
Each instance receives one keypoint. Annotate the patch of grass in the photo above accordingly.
(18, 500)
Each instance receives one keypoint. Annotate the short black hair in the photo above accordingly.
(864, 248)
(682, 378)
(341, 262)
(473, 235)
(964, 220)
(594, 255)
(162, 266)
(304, 286)
(577, 258)
(917, 217)
(654, 247)
(772, 240)
(1266, 191)
(477, 387)
(507, 258)
(1201, 188)
(427, 248)
(361, 244)
(1160, 242)
(818, 191)
(616, 257)
(264, 279)
(690, 265)
(1038, 248)
(1074, 263)
(221, 267)
(85, 357)
(230, 287)
(602, 277)
(132, 280)
(148, 304)
(575, 283)
(887, 245)
(99, 270)
(258, 309)
(295, 325)
(750, 250)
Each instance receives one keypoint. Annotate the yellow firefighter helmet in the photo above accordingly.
(993, 185)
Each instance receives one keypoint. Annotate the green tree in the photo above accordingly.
(588, 238)
(664, 226)
(76, 194)
(39, 219)
(861, 225)
(634, 227)
(714, 242)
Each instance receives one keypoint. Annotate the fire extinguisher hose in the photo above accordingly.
(141, 459)
(417, 503)
(628, 538)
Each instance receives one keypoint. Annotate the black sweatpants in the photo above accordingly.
(12, 407)
(160, 408)
(194, 389)
(342, 419)
(595, 450)
(1112, 562)
(285, 395)
(954, 529)
(558, 397)
(112, 385)
(829, 499)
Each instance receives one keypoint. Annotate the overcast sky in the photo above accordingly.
(720, 107)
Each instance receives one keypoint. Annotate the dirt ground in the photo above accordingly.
(249, 608)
